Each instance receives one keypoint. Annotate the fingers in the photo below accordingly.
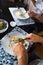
(18, 48)
(17, 44)
(28, 11)
(29, 37)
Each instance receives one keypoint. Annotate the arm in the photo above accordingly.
(21, 54)
(39, 17)
(34, 38)
(41, 40)
(23, 60)
(35, 15)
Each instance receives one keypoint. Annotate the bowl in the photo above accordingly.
(3, 25)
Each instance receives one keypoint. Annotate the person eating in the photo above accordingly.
(35, 9)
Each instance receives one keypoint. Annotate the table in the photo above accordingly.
(3, 55)
(7, 16)
(21, 21)
(5, 58)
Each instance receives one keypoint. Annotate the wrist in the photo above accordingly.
(35, 15)
(41, 40)
(22, 56)
(23, 60)
(19, 57)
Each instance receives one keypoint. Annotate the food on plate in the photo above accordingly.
(19, 13)
(21, 40)
(11, 43)
(15, 39)
(2, 24)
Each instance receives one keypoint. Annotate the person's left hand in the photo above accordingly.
(19, 50)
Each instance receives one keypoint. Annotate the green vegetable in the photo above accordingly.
(25, 44)
(2, 25)
(21, 40)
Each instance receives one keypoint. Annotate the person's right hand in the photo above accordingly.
(33, 38)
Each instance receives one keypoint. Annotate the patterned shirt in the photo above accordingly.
(39, 7)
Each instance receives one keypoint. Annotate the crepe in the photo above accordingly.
(15, 39)
(19, 13)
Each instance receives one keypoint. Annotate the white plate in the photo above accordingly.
(3, 30)
(25, 15)
(6, 40)
(13, 11)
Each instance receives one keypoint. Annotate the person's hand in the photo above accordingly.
(19, 50)
(21, 54)
(33, 38)
(36, 16)
(31, 13)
